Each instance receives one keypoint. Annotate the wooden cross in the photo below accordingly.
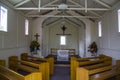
(36, 36)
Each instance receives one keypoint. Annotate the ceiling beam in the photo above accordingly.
(73, 21)
(83, 6)
(84, 15)
(103, 3)
(7, 3)
(66, 19)
(50, 3)
(67, 5)
(39, 4)
(21, 3)
(62, 16)
(54, 8)
(53, 21)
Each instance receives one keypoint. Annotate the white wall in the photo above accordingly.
(89, 33)
(53, 41)
(14, 41)
(109, 43)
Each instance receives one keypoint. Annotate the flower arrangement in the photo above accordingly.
(93, 48)
(34, 46)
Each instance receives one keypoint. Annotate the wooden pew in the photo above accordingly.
(105, 75)
(118, 68)
(8, 74)
(43, 67)
(2, 62)
(50, 60)
(83, 74)
(113, 72)
(100, 61)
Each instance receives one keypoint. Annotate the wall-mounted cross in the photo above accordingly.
(36, 36)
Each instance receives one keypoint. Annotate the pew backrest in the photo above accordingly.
(8, 74)
(83, 74)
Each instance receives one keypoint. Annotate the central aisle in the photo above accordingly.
(61, 73)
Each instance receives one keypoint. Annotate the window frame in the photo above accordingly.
(118, 12)
(99, 28)
(63, 40)
(26, 27)
(4, 23)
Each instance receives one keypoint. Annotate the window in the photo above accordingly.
(99, 29)
(119, 20)
(3, 19)
(62, 40)
(26, 27)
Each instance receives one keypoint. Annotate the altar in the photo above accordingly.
(62, 56)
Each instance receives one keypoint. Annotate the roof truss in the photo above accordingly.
(56, 7)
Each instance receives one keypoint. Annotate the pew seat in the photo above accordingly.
(34, 59)
(96, 66)
(89, 63)
(8, 74)
(26, 68)
(104, 75)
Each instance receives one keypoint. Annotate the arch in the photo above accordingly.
(80, 22)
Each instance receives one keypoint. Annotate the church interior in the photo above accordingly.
(59, 39)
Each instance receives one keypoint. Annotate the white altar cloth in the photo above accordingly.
(62, 55)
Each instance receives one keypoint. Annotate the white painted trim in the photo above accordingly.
(86, 5)
(62, 16)
(93, 9)
(21, 3)
(39, 4)
(102, 3)
(83, 6)
(50, 3)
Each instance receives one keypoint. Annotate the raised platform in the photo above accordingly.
(62, 62)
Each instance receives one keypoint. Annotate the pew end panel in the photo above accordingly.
(2, 63)
(24, 56)
(13, 61)
(118, 69)
(82, 74)
(73, 65)
(34, 76)
(51, 63)
(108, 58)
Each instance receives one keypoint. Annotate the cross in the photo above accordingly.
(36, 36)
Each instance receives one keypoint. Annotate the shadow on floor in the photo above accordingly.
(61, 73)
